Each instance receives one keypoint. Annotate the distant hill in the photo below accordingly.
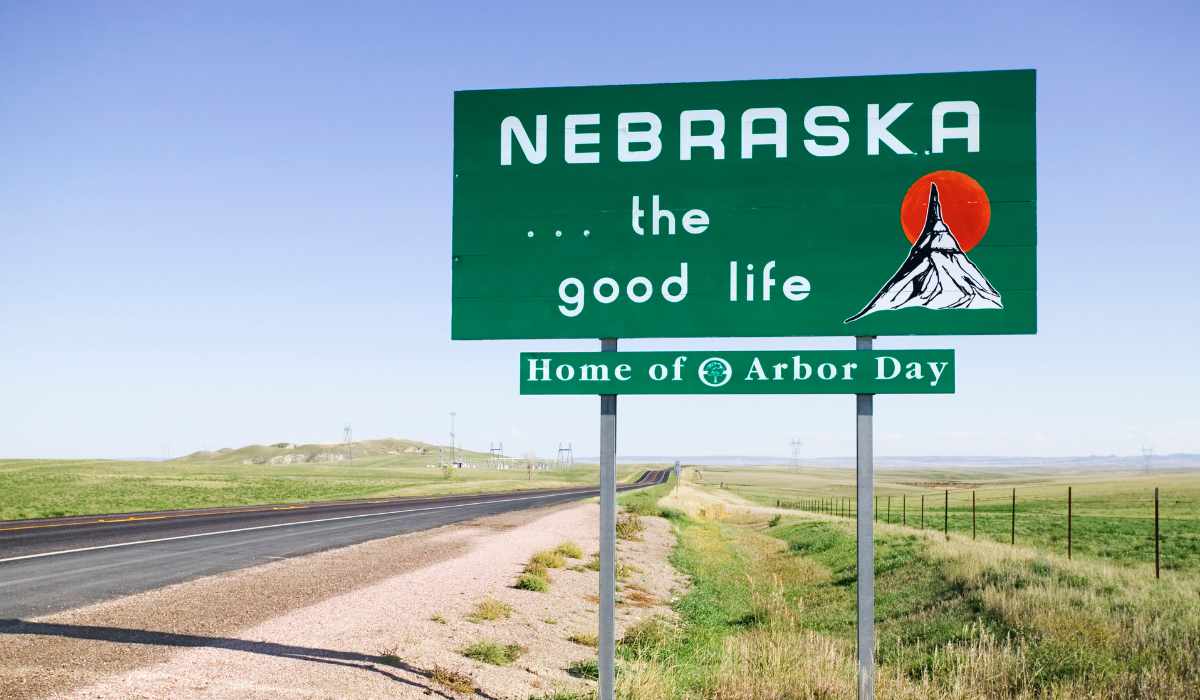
(320, 453)
(1182, 460)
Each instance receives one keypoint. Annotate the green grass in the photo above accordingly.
(1112, 513)
(587, 668)
(533, 582)
(55, 488)
(954, 620)
(645, 501)
(493, 653)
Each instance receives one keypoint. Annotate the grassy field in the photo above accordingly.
(771, 615)
(1112, 512)
(52, 488)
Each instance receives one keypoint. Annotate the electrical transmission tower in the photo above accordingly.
(348, 440)
(796, 444)
(1147, 457)
(566, 456)
(497, 452)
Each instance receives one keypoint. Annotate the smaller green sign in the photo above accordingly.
(739, 372)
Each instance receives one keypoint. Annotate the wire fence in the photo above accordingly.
(1129, 527)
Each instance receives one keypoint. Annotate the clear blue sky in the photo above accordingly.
(222, 225)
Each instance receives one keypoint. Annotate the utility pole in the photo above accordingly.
(453, 452)
(348, 439)
(566, 456)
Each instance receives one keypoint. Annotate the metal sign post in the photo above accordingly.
(866, 537)
(608, 534)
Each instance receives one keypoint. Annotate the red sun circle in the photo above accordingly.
(965, 207)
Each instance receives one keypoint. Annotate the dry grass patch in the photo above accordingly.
(637, 596)
(623, 572)
(549, 559)
(648, 635)
(570, 550)
(630, 527)
(456, 681)
(490, 609)
(586, 639)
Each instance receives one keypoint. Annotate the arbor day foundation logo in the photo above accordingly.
(715, 372)
(937, 273)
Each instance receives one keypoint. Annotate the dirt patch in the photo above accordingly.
(48, 655)
(384, 619)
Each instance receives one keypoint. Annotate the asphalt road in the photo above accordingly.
(51, 565)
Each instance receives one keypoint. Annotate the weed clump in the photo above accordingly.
(570, 550)
(584, 639)
(453, 680)
(549, 558)
(630, 527)
(493, 653)
(490, 609)
(533, 582)
(648, 635)
(587, 669)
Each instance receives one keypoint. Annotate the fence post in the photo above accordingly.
(946, 515)
(1157, 546)
(904, 509)
(877, 509)
(1070, 505)
(1014, 516)
(922, 511)
(889, 510)
(972, 513)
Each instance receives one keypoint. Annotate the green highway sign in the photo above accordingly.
(859, 206)
(739, 372)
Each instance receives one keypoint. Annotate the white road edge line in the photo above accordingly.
(299, 522)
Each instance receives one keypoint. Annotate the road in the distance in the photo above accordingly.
(51, 565)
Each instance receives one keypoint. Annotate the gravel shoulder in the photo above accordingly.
(373, 620)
